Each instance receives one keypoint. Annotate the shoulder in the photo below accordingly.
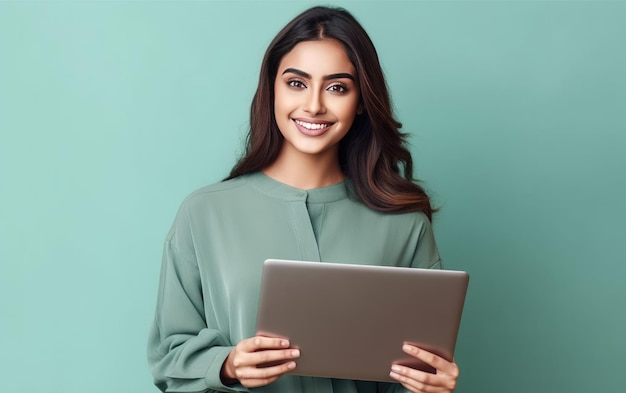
(216, 189)
(208, 199)
(363, 218)
(414, 218)
(225, 193)
(417, 221)
(204, 206)
(417, 217)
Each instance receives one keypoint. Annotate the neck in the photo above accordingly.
(305, 171)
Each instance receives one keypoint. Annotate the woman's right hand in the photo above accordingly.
(241, 364)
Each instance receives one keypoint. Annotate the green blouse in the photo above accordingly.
(213, 258)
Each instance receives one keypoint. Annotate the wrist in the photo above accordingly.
(227, 374)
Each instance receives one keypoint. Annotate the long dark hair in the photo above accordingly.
(373, 153)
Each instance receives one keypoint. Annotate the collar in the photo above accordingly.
(279, 190)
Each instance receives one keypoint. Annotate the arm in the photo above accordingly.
(185, 353)
(426, 253)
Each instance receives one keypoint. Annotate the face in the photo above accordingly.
(316, 98)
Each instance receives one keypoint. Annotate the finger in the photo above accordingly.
(420, 381)
(253, 376)
(272, 357)
(261, 342)
(264, 358)
(439, 363)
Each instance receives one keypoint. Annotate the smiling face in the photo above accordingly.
(316, 98)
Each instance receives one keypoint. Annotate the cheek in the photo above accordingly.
(281, 102)
(349, 109)
(281, 114)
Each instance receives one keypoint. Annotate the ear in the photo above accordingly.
(360, 109)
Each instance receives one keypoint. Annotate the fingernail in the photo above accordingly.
(408, 348)
(395, 367)
(295, 353)
(284, 343)
(291, 365)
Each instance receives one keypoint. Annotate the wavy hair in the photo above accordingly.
(373, 154)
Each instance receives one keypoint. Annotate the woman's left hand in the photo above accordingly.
(420, 381)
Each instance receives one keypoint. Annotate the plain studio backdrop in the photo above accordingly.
(112, 112)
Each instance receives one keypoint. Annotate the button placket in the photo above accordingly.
(304, 229)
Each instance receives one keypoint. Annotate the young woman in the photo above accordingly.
(325, 177)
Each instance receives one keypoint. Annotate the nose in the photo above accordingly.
(314, 103)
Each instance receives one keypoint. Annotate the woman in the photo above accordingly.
(325, 176)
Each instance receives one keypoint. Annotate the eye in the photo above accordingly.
(337, 88)
(296, 83)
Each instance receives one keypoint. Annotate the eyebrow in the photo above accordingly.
(326, 77)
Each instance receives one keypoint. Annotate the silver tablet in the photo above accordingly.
(350, 321)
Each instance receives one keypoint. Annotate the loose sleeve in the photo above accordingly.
(184, 354)
(426, 253)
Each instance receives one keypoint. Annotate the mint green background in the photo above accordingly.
(111, 112)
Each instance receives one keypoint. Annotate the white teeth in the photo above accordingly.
(312, 126)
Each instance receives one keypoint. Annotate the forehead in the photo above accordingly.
(318, 58)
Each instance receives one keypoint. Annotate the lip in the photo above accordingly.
(314, 131)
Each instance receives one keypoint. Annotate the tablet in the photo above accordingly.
(350, 321)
